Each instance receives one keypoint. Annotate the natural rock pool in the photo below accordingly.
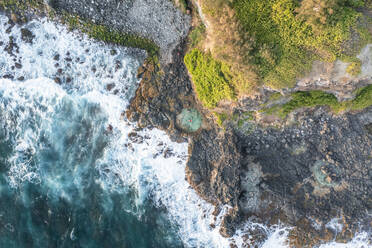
(190, 120)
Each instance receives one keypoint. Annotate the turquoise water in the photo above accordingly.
(190, 120)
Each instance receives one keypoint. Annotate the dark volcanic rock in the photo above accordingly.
(161, 96)
(26, 35)
(213, 168)
(301, 173)
(313, 167)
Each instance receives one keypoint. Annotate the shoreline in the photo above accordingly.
(234, 166)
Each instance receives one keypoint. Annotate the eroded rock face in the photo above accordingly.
(333, 77)
(162, 95)
(157, 20)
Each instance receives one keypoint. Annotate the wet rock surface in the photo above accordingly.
(162, 95)
(157, 20)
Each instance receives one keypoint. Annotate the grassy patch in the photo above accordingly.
(362, 100)
(354, 68)
(220, 118)
(289, 36)
(303, 99)
(275, 96)
(211, 78)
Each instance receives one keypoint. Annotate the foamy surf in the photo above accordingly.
(63, 101)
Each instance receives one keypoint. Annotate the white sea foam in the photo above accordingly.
(38, 109)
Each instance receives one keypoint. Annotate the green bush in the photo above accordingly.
(304, 99)
(362, 100)
(211, 78)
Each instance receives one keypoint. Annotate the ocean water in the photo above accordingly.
(74, 172)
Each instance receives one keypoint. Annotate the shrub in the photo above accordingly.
(362, 99)
(304, 99)
(354, 68)
(211, 78)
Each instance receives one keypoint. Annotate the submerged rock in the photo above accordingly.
(26, 35)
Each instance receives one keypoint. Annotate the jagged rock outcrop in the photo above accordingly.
(162, 95)
(213, 168)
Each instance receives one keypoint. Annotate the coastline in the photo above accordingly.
(253, 170)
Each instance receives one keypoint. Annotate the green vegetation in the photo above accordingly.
(98, 32)
(275, 96)
(363, 99)
(245, 117)
(354, 68)
(221, 117)
(211, 78)
(290, 34)
(304, 99)
(103, 33)
(274, 42)
(239, 118)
